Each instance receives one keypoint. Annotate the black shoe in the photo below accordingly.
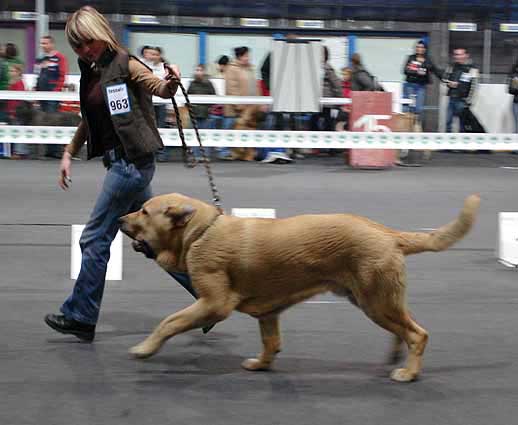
(61, 324)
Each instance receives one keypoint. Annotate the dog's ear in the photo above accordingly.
(180, 216)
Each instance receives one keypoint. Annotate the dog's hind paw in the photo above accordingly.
(254, 365)
(403, 375)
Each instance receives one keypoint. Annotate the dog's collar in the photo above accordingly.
(207, 228)
(144, 247)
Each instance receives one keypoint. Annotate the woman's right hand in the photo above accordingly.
(64, 170)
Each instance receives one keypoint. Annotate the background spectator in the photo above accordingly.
(201, 85)
(152, 57)
(332, 87)
(274, 120)
(462, 79)
(10, 58)
(217, 112)
(418, 69)
(239, 81)
(20, 150)
(52, 68)
(513, 89)
(4, 81)
(362, 80)
(342, 120)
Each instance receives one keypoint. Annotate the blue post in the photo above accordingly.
(202, 47)
(352, 47)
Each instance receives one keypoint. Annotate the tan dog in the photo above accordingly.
(263, 266)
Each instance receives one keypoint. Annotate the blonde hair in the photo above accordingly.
(88, 24)
(18, 67)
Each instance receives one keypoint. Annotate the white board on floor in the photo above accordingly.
(114, 271)
(254, 212)
(508, 238)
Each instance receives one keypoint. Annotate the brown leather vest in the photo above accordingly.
(137, 128)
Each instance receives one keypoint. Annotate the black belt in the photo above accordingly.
(117, 153)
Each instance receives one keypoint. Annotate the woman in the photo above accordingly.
(332, 87)
(119, 123)
(418, 69)
(362, 80)
(239, 81)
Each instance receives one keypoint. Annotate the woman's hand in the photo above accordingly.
(64, 170)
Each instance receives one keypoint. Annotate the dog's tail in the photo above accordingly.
(445, 236)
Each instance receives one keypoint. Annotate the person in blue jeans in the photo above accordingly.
(118, 121)
(462, 80)
(418, 70)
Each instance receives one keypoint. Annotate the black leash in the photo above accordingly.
(188, 157)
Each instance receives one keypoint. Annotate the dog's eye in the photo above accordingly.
(144, 211)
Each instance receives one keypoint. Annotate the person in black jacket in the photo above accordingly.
(462, 80)
(362, 80)
(418, 70)
(201, 85)
(513, 89)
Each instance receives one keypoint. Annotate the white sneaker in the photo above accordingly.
(277, 158)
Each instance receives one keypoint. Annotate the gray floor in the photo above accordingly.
(331, 369)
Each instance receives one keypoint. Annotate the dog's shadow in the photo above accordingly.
(294, 379)
(214, 356)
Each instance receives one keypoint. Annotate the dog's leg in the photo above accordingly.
(398, 321)
(271, 338)
(201, 313)
(396, 353)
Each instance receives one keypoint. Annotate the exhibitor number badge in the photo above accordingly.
(118, 100)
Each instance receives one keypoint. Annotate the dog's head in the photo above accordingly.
(165, 226)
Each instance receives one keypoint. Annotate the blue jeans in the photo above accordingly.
(455, 107)
(417, 91)
(203, 123)
(19, 148)
(228, 124)
(125, 189)
(51, 106)
(274, 121)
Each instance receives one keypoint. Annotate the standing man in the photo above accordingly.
(51, 67)
(201, 84)
(462, 79)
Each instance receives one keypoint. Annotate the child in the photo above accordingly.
(20, 150)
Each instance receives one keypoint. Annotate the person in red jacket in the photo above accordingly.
(52, 68)
(342, 120)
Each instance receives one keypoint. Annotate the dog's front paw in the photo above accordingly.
(255, 364)
(403, 375)
(142, 351)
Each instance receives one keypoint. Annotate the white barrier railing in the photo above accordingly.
(289, 139)
(195, 99)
